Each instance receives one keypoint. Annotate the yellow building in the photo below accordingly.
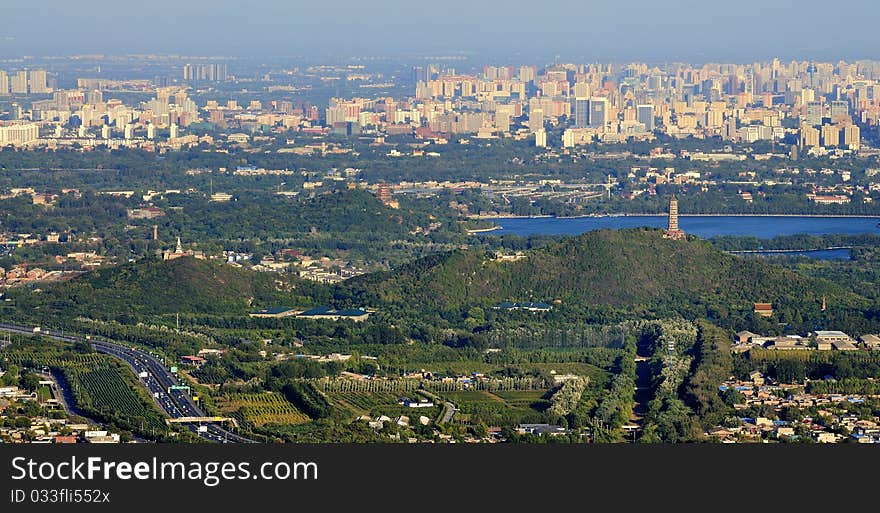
(809, 136)
(852, 137)
(830, 135)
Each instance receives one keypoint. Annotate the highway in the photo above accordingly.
(158, 381)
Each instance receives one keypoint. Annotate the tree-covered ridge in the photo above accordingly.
(635, 269)
(155, 287)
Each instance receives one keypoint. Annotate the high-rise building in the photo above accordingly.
(852, 137)
(581, 112)
(830, 135)
(4, 83)
(38, 84)
(599, 112)
(420, 74)
(129, 131)
(582, 90)
(214, 72)
(151, 131)
(809, 136)
(536, 119)
(815, 111)
(541, 138)
(839, 111)
(94, 97)
(19, 134)
(527, 73)
(172, 133)
(672, 229)
(20, 82)
(645, 116)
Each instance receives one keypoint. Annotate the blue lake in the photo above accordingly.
(702, 226)
(821, 254)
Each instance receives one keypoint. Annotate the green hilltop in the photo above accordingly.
(605, 275)
(634, 270)
(155, 287)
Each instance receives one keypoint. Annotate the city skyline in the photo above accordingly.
(680, 30)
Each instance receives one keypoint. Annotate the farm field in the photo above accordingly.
(379, 403)
(363, 403)
(260, 409)
(502, 407)
(104, 390)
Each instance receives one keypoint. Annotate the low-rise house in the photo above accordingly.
(275, 311)
(198, 361)
(784, 431)
(744, 337)
(527, 306)
(352, 314)
(540, 429)
(838, 339)
(870, 341)
(825, 437)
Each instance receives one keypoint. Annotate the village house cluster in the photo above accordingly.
(832, 423)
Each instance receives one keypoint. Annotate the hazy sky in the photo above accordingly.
(651, 30)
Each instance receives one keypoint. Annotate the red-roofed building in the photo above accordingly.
(764, 309)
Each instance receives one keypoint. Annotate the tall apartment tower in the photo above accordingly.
(20, 82)
(38, 83)
(599, 112)
(581, 112)
(536, 119)
(645, 116)
(541, 138)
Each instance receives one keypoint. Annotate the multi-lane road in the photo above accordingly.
(155, 377)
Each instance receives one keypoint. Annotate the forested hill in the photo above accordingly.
(629, 269)
(153, 286)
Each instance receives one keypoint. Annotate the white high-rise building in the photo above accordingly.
(173, 131)
(541, 138)
(105, 132)
(151, 131)
(38, 83)
(4, 83)
(19, 134)
(129, 131)
(20, 82)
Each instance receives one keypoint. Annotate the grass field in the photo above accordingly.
(520, 397)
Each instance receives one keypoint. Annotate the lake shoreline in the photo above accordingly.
(705, 226)
(600, 216)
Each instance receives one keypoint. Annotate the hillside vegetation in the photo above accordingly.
(155, 287)
(634, 270)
